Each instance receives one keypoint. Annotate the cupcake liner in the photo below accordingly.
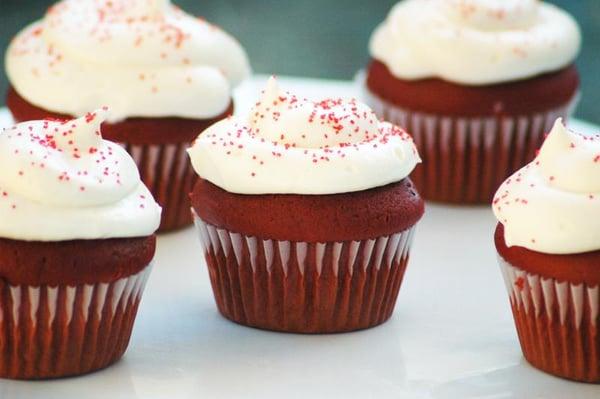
(58, 331)
(465, 159)
(305, 287)
(168, 174)
(557, 323)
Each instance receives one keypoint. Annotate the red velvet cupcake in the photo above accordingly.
(165, 75)
(73, 263)
(306, 214)
(549, 252)
(477, 83)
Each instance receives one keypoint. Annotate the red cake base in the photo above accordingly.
(157, 145)
(360, 215)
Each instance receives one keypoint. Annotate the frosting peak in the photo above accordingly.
(290, 145)
(475, 42)
(571, 161)
(553, 204)
(331, 122)
(143, 58)
(60, 180)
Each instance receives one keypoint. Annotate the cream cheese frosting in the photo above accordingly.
(59, 180)
(552, 205)
(475, 42)
(290, 145)
(143, 58)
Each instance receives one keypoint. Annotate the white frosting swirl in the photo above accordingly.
(475, 42)
(295, 146)
(143, 58)
(59, 180)
(552, 205)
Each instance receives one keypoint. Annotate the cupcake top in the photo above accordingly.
(475, 42)
(289, 145)
(552, 205)
(59, 180)
(143, 58)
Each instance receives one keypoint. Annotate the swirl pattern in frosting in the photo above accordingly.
(290, 145)
(59, 180)
(475, 42)
(143, 58)
(552, 205)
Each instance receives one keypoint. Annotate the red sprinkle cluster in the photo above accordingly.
(467, 9)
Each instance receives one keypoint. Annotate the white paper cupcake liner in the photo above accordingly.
(305, 287)
(57, 331)
(166, 171)
(557, 323)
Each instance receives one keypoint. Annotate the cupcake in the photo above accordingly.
(164, 74)
(477, 83)
(548, 241)
(76, 244)
(305, 213)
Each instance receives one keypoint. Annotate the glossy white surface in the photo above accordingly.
(451, 336)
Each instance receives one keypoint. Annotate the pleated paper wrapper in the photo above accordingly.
(305, 287)
(557, 323)
(64, 330)
(167, 172)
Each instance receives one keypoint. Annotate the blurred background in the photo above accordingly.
(319, 38)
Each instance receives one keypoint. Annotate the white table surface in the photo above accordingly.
(451, 336)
